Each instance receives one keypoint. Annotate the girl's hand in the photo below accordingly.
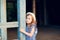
(22, 30)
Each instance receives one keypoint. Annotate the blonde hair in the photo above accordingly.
(33, 17)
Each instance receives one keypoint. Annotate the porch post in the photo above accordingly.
(4, 33)
(0, 11)
(34, 6)
(21, 17)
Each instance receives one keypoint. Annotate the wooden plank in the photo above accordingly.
(21, 17)
(9, 25)
(3, 19)
(4, 33)
(3, 11)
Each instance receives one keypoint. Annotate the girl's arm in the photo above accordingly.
(29, 34)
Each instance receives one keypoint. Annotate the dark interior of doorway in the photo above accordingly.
(39, 10)
(52, 11)
(29, 4)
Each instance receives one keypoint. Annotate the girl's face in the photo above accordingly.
(29, 19)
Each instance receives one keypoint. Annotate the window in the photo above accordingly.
(11, 9)
(9, 17)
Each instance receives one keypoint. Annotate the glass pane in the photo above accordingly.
(11, 6)
(12, 33)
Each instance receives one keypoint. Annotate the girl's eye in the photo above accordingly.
(28, 18)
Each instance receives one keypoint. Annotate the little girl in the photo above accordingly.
(31, 29)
